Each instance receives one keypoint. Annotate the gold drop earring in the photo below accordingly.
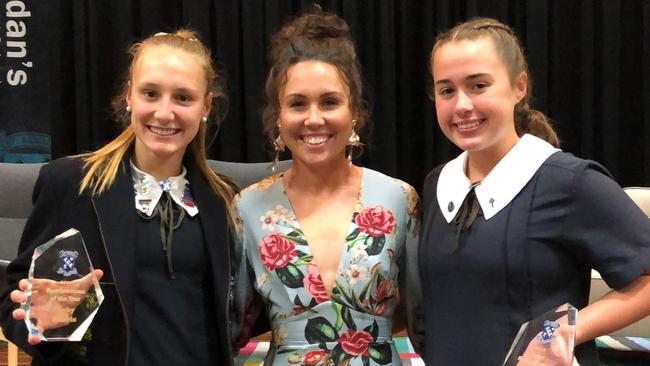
(353, 141)
(278, 145)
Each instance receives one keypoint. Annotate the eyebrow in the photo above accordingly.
(324, 95)
(148, 84)
(470, 77)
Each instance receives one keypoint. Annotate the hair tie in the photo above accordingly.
(495, 26)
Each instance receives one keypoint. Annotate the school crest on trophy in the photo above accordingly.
(63, 294)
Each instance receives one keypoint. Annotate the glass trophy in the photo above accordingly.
(63, 293)
(546, 340)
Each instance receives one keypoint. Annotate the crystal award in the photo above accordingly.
(63, 293)
(548, 339)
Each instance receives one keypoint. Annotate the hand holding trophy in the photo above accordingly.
(546, 340)
(63, 292)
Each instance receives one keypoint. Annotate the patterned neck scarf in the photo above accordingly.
(156, 199)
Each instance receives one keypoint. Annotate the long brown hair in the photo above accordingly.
(102, 165)
(508, 48)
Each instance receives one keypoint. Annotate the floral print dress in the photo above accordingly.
(353, 325)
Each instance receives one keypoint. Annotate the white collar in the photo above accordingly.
(501, 184)
(148, 191)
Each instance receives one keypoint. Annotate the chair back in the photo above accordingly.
(245, 174)
(17, 183)
(16, 186)
(640, 196)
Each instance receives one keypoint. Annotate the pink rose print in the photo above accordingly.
(314, 284)
(313, 358)
(355, 343)
(375, 221)
(385, 290)
(276, 252)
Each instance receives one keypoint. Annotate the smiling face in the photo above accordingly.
(474, 96)
(315, 115)
(168, 97)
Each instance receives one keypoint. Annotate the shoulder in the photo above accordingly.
(566, 169)
(387, 184)
(260, 191)
(431, 181)
(381, 189)
(261, 187)
(67, 171)
(69, 164)
(432, 176)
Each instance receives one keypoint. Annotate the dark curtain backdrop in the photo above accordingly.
(589, 59)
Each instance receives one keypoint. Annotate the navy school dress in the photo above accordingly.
(546, 218)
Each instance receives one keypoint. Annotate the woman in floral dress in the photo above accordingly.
(328, 246)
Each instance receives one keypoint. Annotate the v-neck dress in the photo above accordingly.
(353, 324)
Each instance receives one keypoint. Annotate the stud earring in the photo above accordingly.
(128, 109)
(204, 119)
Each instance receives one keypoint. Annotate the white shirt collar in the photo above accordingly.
(500, 186)
(148, 191)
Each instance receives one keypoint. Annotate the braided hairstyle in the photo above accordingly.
(508, 48)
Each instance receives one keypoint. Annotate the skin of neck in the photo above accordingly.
(480, 163)
(319, 179)
(160, 167)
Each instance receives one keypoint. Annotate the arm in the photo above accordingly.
(41, 226)
(410, 290)
(615, 310)
(246, 305)
(607, 228)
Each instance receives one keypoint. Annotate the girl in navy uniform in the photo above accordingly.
(154, 218)
(513, 226)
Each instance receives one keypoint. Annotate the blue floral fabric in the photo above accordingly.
(352, 325)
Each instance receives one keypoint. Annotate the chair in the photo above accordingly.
(16, 185)
(640, 196)
(245, 174)
(12, 350)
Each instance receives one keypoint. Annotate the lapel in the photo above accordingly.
(114, 209)
(214, 224)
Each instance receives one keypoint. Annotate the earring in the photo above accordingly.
(128, 109)
(279, 144)
(204, 119)
(354, 138)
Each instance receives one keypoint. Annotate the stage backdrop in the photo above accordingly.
(61, 61)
